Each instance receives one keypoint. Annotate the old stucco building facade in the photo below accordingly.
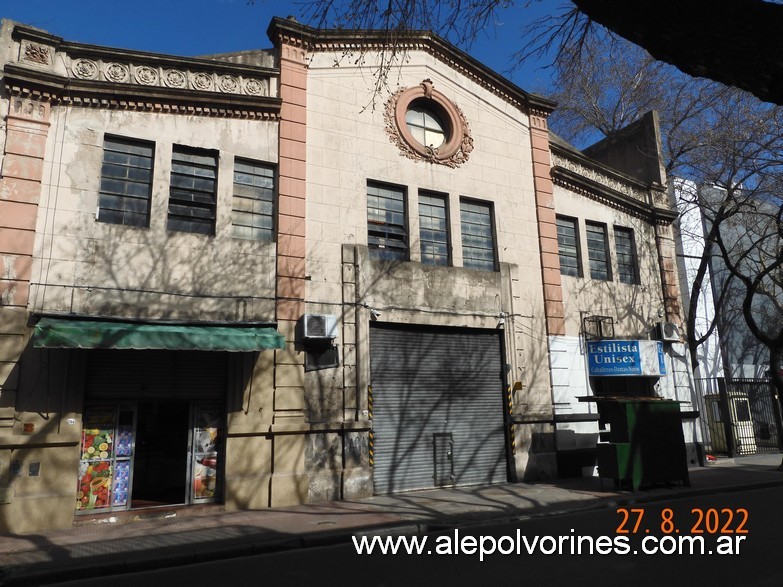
(228, 280)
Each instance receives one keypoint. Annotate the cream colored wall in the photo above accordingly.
(83, 266)
(88, 267)
(633, 307)
(44, 501)
(348, 145)
(49, 382)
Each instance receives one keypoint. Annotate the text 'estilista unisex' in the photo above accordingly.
(568, 544)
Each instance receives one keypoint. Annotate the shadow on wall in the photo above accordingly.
(430, 388)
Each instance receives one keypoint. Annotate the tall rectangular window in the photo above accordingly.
(568, 246)
(478, 238)
(627, 264)
(433, 229)
(193, 190)
(252, 213)
(598, 251)
(387, 231)
(126, 182)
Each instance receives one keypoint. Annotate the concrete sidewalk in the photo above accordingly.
(99, 549)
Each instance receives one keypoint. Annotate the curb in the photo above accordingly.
(149, 560)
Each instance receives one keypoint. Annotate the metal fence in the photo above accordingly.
(739, 416)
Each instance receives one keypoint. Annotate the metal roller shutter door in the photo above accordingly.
(427, 382)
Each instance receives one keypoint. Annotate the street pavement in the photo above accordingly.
(113, 545)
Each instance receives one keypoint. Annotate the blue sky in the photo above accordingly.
(201, 27)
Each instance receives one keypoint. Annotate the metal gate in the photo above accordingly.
(738, 416)
(437, 407)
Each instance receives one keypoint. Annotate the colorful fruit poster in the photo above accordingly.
(97, 434)
(94, 485)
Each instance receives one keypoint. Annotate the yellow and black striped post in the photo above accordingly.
(372, 435)
(510, 406)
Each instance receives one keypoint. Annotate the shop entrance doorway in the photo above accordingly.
(160, 470)
(152, 430)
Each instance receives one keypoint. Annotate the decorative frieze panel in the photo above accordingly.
(153, 76)
(601, 178)
(36, 53)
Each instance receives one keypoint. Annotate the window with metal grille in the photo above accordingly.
(387, 235)
(625, 246)
(433, 229)
(478, 238)
(598, 251)
(252, 214)
(193, 190)
(568, 246)
(126, 182)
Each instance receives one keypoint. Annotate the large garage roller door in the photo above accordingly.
(437, 407)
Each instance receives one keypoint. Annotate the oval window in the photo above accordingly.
(425, 126)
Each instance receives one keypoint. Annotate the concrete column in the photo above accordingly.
(289, 483)
(27, 128)
(289, 389)
(547, 225)
(670, 283)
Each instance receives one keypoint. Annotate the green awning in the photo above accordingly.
(88, 334)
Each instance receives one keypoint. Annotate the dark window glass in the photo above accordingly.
(126, 182)
(387, 236)
(568, 246)
(478, 239)
(253, 209)
(598, 251)
(627, 266)
(321, 358)
(433, 230)
(193, 190)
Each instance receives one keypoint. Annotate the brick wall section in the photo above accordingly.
(20, 190)
(547, 225)
(289, 370)
(664, 240)
(27, 127)
(291, 214)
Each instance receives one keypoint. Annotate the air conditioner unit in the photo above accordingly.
(319, 326)
(668, 331)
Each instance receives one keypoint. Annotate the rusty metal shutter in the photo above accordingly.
(428, 383)
(155, 375)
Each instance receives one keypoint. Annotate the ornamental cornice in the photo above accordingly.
(88, 96)
(294, 41)
(600, 197)
(612, 190)
(603, 179)
(159, 75)
(363, 41)
(104, 75)
(517, 99)
(608, 197)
